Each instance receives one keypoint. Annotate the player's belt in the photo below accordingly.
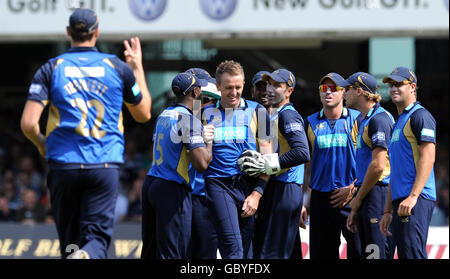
(75, 166)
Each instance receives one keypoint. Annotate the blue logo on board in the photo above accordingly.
(218, 9)
(147, 10)
(446, 3)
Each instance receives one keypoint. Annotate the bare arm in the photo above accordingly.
(427, 153)
(201, 157)
(30, 125)
(252, 201)
(133, 56)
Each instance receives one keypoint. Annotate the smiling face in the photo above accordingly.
(278, 93)
(402, 94)
(259, 93)
(231, 87)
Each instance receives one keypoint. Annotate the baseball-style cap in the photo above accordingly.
(211, 90)
(336, 78)
(401, 74)
(281, 75)
(86, 16)
(202, 74)
(183, 83)
(258, 77)
(364, 80)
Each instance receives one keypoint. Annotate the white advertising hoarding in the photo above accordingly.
(160, 19)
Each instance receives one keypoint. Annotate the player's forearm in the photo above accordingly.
(33, 134)
(146, 101)
(388, 206)
(294, 157)
(424, 168)
(373, 174)
(265, 146)
(29, 123)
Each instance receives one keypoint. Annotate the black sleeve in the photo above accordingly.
(39, 90)
(423, 126)
(291, 126)
(380, 129)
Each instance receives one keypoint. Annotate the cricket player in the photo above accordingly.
(233, 197)
(412, 152)
(181, 147)
(332, 138)
(373, 167)
(84, 142)
(280, 208)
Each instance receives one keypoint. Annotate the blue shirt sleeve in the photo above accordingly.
(380, 129)
(131, 92)
(39, 90)
(291, 126)
(423, 126)
(191, 131)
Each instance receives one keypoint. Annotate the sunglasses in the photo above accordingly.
(332, 88)
(398, 84)
(351, 87)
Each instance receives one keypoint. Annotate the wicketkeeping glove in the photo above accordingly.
(271, 163)
(251, 163)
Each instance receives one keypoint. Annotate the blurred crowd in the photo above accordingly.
(24, 196)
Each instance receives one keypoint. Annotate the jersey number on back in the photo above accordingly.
(159, 148)
(81, 129)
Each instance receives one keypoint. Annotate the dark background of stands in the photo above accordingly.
(20, 62)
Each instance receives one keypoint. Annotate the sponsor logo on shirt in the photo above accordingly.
(293, 127)
(230, 133)
(379, 137)
(333, 140)
(35, 88)
(427, 133)
(395, 135)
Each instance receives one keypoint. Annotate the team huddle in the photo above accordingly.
(229, 173)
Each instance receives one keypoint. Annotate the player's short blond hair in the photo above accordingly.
(228, 66)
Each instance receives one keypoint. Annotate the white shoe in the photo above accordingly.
(79, 254)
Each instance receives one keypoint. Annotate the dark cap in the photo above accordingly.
(364, 80)
(258, 77)
(401, 74)
(336, 78)
(281, 75)
(86, 16)
(202, 74)
(183, 83)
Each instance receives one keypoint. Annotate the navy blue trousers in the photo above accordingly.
(83, 203)
(203, 243)
(166, 219)
(225, 196)
(369, 217)
(326, 225)
(277, 221)
(411, 233)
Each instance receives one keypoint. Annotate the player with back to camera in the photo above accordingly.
(84, 141)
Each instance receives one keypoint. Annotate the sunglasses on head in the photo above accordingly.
(332, 88)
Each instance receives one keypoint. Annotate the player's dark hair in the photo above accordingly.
(78, 36)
